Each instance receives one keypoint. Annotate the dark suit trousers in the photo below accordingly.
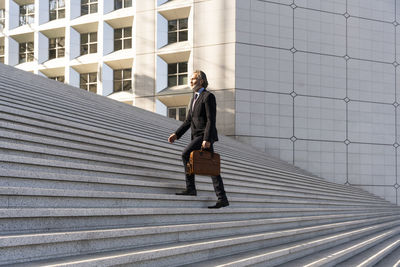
(195, 144)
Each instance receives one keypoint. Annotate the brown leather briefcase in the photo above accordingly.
(204, 162)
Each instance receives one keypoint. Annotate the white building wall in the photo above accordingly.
(75, 10)
(317, 85)
(70, 27)
(41, 48)
(211, 34)
(41, 12)
(11, 57)
(107, 80)
(12, 15)
(145, 60)
(72, 77)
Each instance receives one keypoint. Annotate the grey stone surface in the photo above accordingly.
(376, 254)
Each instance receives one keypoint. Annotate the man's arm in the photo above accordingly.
(211, 113)
(182, 129)
(185, 126)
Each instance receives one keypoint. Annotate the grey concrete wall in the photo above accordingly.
(317, 85)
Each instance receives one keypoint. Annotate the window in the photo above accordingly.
(57, 9)
(88, 7)
(58, 78)
(26, 14)
(26, 52)
(122, 38)
(88, 82)
(177, 113)
(2, 19)
(1, 53)
(118, 4)
(56, 47)
(122, 80)
(177, 74)
(177, 30)
(88, 43)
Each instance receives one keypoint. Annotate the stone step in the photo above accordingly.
(156, 145)
(38, 246)
(393, 259)
(131, 151)
(152, 157)
(293, 253)
(287, 165)
(64, 92)
(375, 254)
(72, 154)
(20, 197)
(23, 220)
(205, 196)
(194, 251)
(74, 104)
(338, 255)
(84, 151)
(98, 148)
(134, 131)
(234, 188)
(34, 177)
(314, 180)
(127, 157)
(84, 112)
(272, 224)
(69, 181)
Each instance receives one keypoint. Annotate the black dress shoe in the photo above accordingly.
(187, 193)
(220, 204)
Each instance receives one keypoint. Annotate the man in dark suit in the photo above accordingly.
(201, 119)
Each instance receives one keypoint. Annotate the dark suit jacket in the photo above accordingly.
(202, 118)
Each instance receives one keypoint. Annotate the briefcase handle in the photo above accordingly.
(207, 149)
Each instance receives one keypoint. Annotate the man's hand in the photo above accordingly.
(172, 138)
(206, 145)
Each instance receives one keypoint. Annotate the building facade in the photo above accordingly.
(137, 52)
(311, 82)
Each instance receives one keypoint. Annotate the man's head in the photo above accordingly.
(198, 80)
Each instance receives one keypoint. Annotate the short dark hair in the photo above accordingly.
(203, 77)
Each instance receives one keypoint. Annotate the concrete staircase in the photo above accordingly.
(88, 181)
